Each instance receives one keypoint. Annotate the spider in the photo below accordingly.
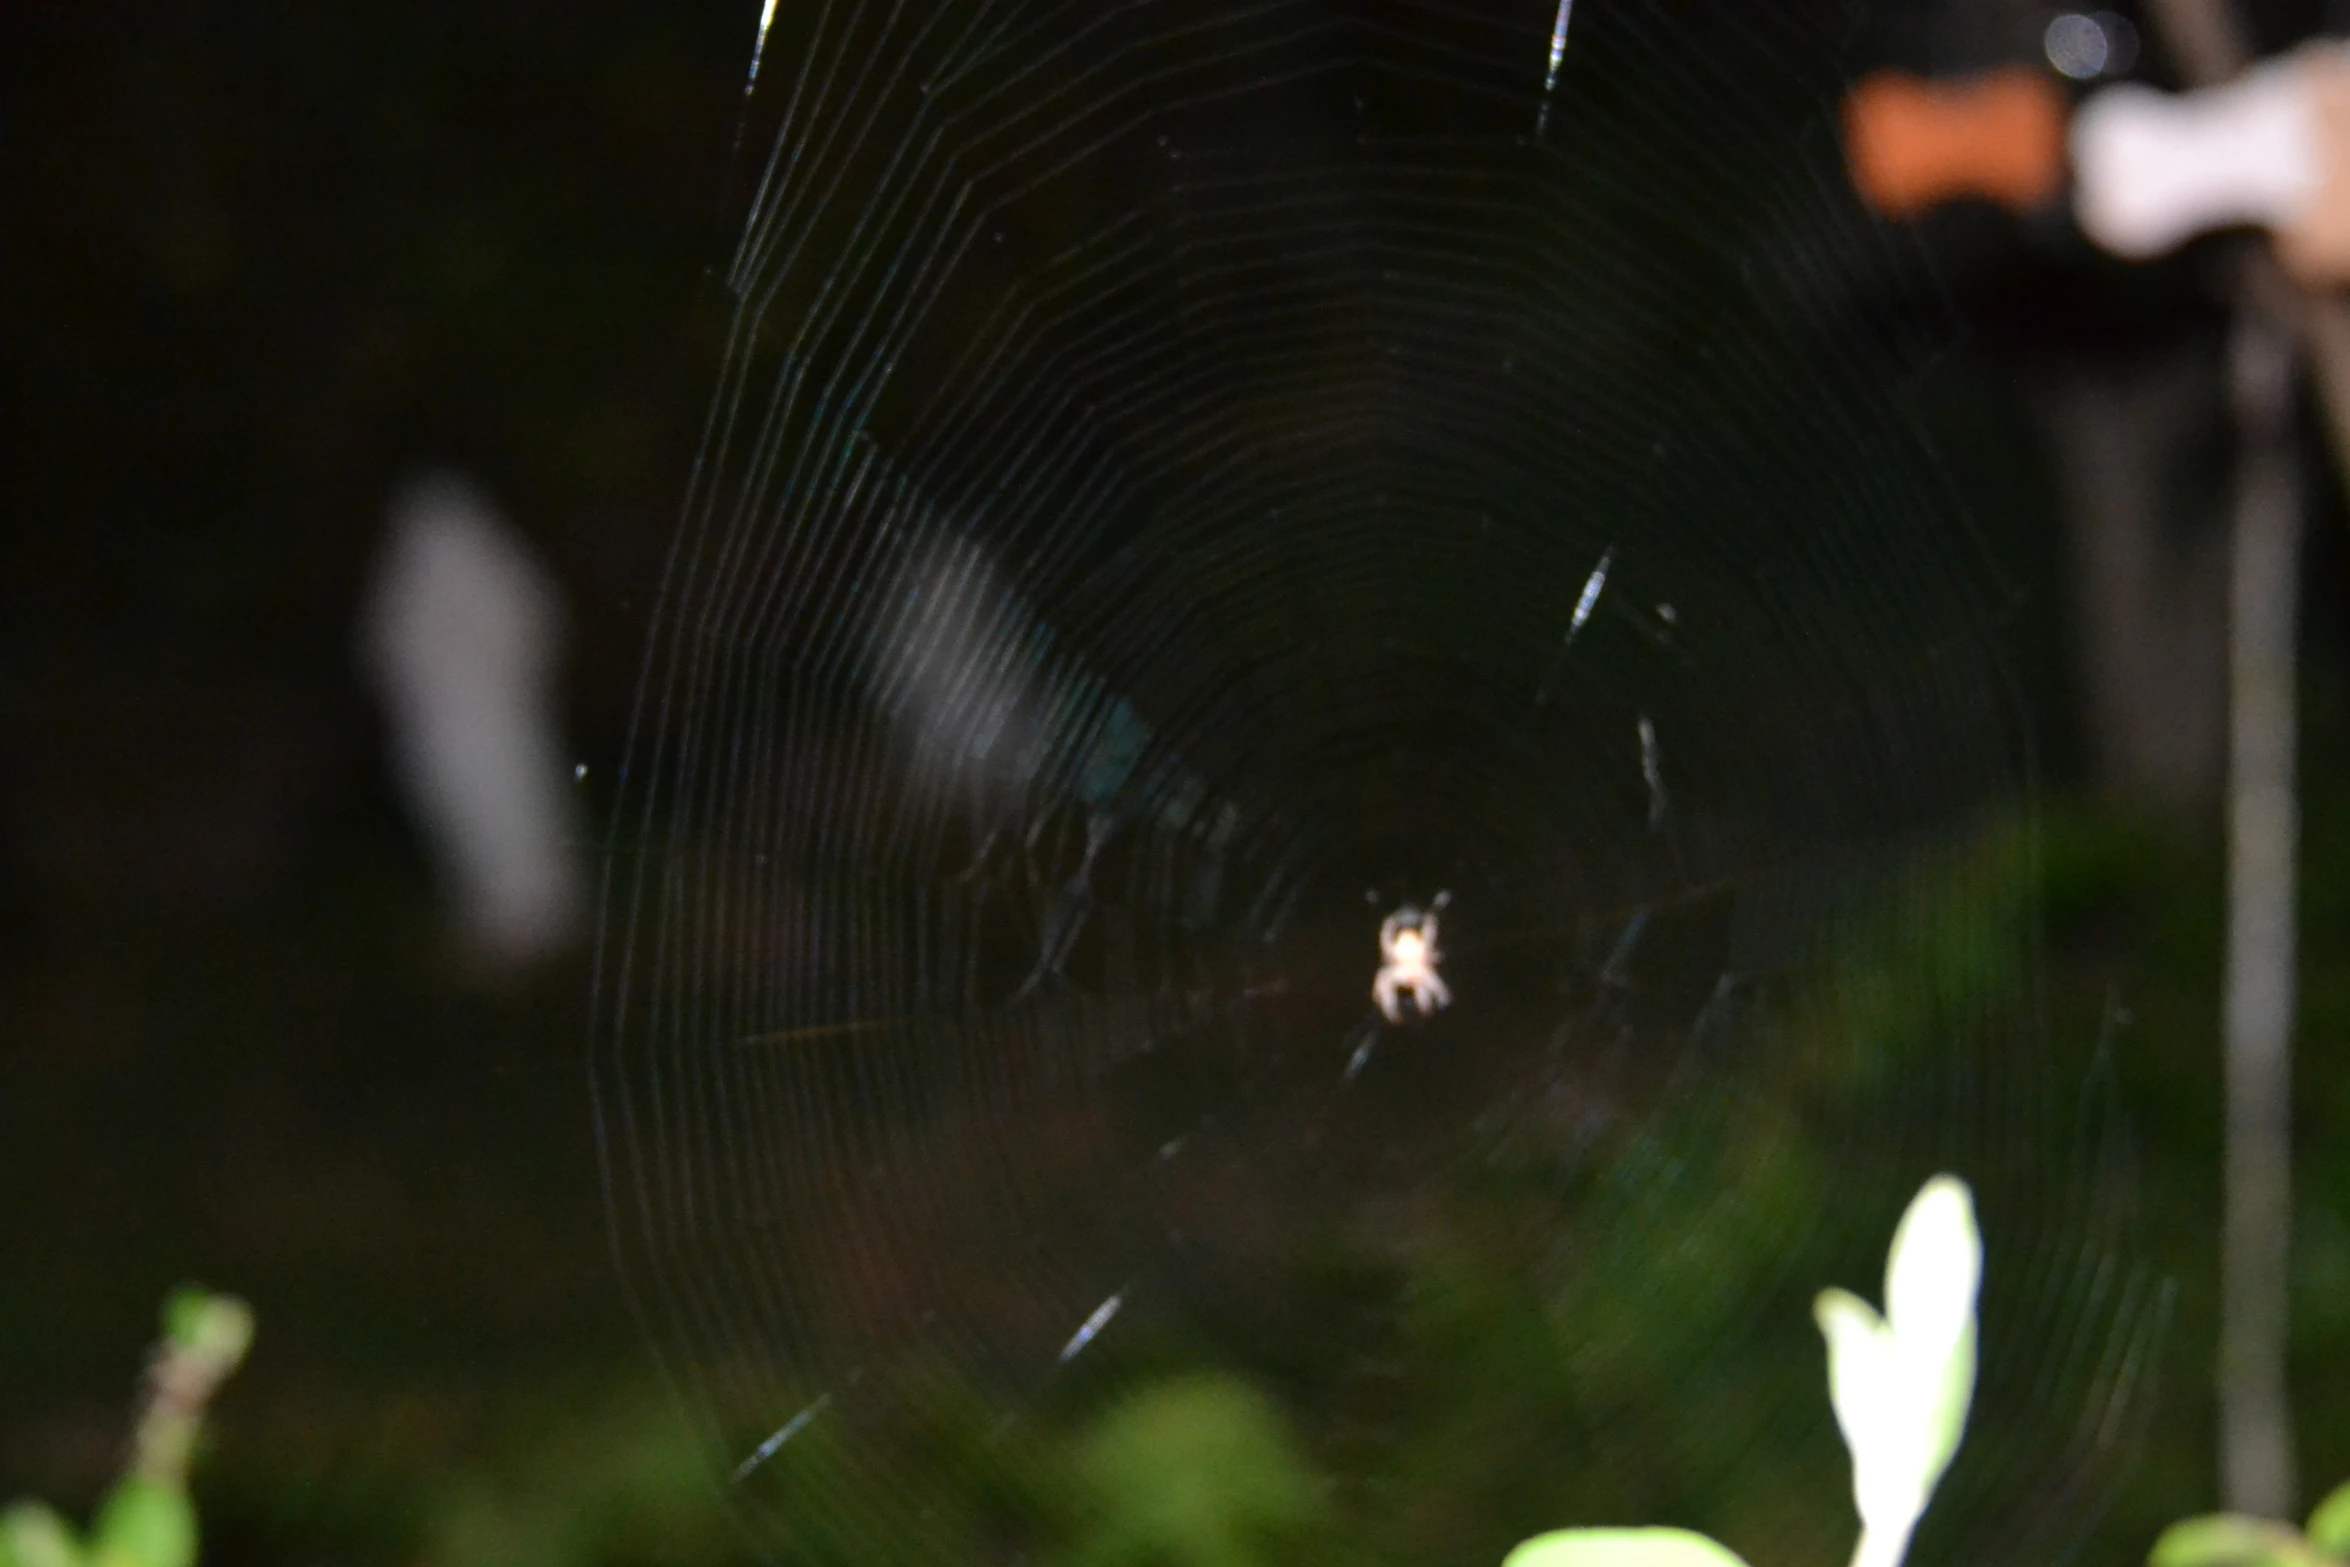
(1408, 958)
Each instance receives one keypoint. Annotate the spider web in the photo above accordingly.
(1188, 479)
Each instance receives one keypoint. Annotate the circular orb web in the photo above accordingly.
(1189, 480)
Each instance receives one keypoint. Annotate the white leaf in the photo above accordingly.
(1901, 1383)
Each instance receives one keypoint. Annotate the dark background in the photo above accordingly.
(263, 261)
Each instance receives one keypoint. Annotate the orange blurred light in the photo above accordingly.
(1914, 144)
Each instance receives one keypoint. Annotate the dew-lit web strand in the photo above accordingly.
(1550, 74)
(759, 47)
(1841, 569)
(667, 629)
(750, 316)
(2115, 1401)
(815, 323)
(760, 225)
(914, 302)
(972, 232)
(694, 722)
(1308, 372)
(784, 1433)
(2059, 1261)
(1584, 603)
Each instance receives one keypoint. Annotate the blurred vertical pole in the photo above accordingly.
(2203, 36)
(2256, 1431)
(2255, 1418)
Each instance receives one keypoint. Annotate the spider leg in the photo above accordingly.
(1436, 995)
(1383, 992)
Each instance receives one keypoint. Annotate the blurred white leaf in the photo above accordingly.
(460, 634)
(1901, 1383)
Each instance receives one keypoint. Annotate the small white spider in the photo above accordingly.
(1408, 958)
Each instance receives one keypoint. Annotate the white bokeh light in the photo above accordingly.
(2085, 45)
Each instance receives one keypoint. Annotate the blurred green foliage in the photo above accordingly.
(609, 1479)
(1198, 1472)
(1470, 1373)
(1900, 1382)
(147, 1518)
(2230, 1540)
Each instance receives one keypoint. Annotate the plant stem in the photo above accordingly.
(1881, 1547)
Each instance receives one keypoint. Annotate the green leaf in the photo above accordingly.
(2329, 1526)
(32, 1535)
(1621, 1548)
(2231, 1540)
(145, 1523)
(216, 1328)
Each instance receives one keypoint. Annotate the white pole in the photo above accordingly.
(2256, 1433)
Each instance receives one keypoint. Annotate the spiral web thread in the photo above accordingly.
(1189, 478)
